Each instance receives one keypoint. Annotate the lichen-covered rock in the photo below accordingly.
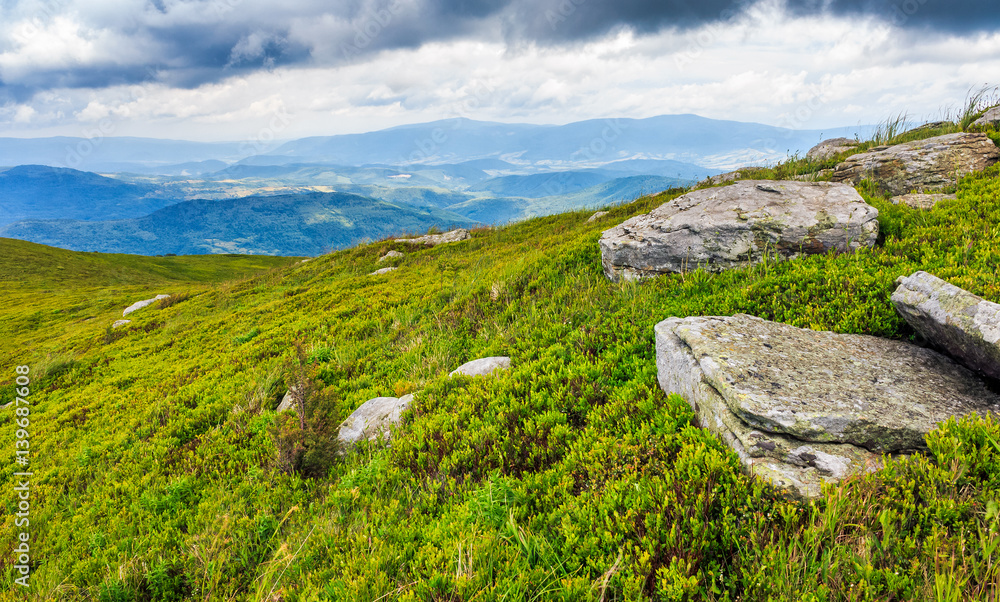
(383, 271)
(482, 367)
(829, 148)
(390, 255)
(922, 201)
(140, 304)
(923, 166)
(731, 226)
(802, 407)
(965, 326)
(375, 418)
(990, 117)
(431, 240)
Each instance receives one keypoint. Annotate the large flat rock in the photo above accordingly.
(732, 226)
(927, 165)
(802, 407)
(375, 418)
(965, 326)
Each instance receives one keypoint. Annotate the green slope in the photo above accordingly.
(162, 473)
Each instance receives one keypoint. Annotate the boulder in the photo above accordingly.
(922, 201)
(923, 166)
(482, 367)
(140, 304)
(965, 326)
(732, 226)
(120, 323)
(802, 407)
(287, 403)
(989, 118)
(829, 148)
(729, 176)
(375, 418)
(431, 240)
(382, 271)
(597, 216)
(390, 255)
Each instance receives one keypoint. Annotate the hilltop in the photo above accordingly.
(163, 472)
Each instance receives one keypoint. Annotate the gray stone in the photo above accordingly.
(922, 201)
(829, 148)
(390, 255)
(382, 271)
(431, 240)
(990, 117)
(120, 323)
(140, 304)
(801, 407)
(729, 176)
(965, 326)
(287, 403)
(922, 166)
(597, 216)
(482, 367)
(375, 418)
(732, 226)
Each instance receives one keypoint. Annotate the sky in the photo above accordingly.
(233, 70)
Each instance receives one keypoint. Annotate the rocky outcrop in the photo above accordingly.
(382, 271)
(830, 148)
(120, 323)
(729, 176)
(482, 367)
(802, 407)
(375, 418)
(921, 201)
(731, 226)
(989, 118)
(431, 240)
(965, 326)
(140, 304)
(390, 255)
(597, 216)
(922, 166)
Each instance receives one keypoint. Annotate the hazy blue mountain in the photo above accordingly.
(42, 192)
(687, 138)
(660, 167)
(534, 186)
(111, 153)
(305, 224)
(189, 168)
(492, 210)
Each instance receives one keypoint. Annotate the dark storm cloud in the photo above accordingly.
(186, 44)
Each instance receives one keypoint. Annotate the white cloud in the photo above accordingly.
(806, 72)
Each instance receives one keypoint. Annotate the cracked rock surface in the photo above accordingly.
(802, 407)
(731, 226)
(927, 165)
(965, 326)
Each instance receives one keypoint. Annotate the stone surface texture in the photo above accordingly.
(990, 117)
(828, 148)
(482, 367)
(383, 271)
(140, 304)
(927, 165)
(390, 255)
(375, 418)
(922, 201)
(431, 240)
(731, 226)
(802, 407)
(963, 325)
(120, 323)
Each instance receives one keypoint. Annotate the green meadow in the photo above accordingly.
(161, 471)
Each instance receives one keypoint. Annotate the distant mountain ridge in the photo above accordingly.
(301, 224)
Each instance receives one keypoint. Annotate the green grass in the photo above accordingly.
(161, 471)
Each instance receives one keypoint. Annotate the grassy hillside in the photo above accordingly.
(161, 471)
(300, 224)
